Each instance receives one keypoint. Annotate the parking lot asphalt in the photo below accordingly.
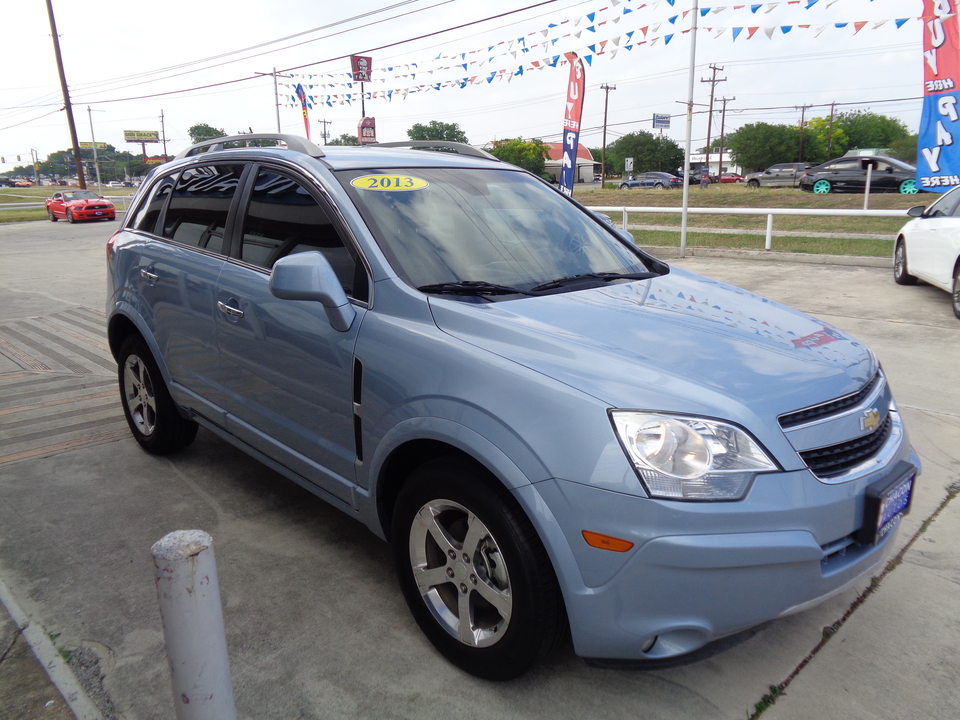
(316, 626)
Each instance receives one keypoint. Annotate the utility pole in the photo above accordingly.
(163, 136)
(96, 165)
(603, 148)
(713, 86)
(324, 133)
(66, 98)
(830, 131)
(723, 121)
(803, 111)
(276, 94)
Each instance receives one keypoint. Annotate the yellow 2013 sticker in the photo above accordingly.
(392, 183)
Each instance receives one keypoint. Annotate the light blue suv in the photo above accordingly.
(560, 435)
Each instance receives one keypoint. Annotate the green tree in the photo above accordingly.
(866, 129)
(345, 139)
(759, 145)
(528, 154)
(649, 152)
(905, 149)
(834, 138)
(202, 131)
(436, 130)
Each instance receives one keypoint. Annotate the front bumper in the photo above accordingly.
(701, 571)
(94, 214)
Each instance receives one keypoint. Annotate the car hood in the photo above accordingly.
(680, 342)
(84, 202)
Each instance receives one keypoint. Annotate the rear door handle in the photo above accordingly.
(149, 276)
(227, 310)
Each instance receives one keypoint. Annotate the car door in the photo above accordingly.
(286, 372)
(847, 174)
(933, 245)
(184, 220)
(56, 205)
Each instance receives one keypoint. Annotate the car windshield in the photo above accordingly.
(439, 226)
(81, 195)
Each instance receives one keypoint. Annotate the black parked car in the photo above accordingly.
(849, 174)
(655, 180)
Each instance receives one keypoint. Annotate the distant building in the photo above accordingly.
(717, 164)
(586, 165)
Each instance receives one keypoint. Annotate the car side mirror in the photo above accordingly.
(917, 211)
(309, 276)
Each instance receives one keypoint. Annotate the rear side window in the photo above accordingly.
(283, 218)
(148, 213)
(199, 205)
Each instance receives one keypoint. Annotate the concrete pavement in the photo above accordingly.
(316, 625)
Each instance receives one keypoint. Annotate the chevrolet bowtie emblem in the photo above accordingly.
(870, 420)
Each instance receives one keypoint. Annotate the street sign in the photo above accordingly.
(628, 164)
(661, 122)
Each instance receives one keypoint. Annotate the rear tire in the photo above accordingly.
(900, 274)
(822, 187)
(53, 218)
(150, 411)
(473, 571)
(955, 295)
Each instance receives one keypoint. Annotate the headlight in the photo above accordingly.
(690, 458)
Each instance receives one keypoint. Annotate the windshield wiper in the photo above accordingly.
(471, 287)
(603, 276)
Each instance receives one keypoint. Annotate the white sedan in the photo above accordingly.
(928, 247)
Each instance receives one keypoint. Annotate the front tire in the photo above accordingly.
(70, 218)
(908, 187)
(900, 274)
(150, 411)
(473, 571)
(753, 184)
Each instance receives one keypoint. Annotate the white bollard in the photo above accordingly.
(189, 595)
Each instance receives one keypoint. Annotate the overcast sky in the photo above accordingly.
(116, 52)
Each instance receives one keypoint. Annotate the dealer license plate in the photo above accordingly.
(99, 212)
(885, 509)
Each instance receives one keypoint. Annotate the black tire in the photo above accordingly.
(150, 411)
(753, 184)
(70, 217)
(53, 218)
(955, 295)
(658, 186)
(504, 582)
(900, 274)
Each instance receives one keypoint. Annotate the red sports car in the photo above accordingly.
(77, 205)
(730, 178)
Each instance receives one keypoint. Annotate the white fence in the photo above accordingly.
(769, 212)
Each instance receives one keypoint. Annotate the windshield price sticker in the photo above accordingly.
(391, 183)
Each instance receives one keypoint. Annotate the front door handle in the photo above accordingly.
(149, 276)
(227, 310)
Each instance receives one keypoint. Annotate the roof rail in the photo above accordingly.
(293, 142)
(457, 147)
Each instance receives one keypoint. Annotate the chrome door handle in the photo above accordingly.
(227, 310)
(147, 275)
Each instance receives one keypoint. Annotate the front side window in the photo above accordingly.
(283, 218)
(147, 215)
(199, 205)
(493, 226)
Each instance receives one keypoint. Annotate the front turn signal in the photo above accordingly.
(605, 542)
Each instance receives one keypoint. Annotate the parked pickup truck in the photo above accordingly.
(779, 175)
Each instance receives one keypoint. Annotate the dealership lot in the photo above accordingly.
(316, 625)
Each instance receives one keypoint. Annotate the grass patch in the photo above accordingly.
(797, 244)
